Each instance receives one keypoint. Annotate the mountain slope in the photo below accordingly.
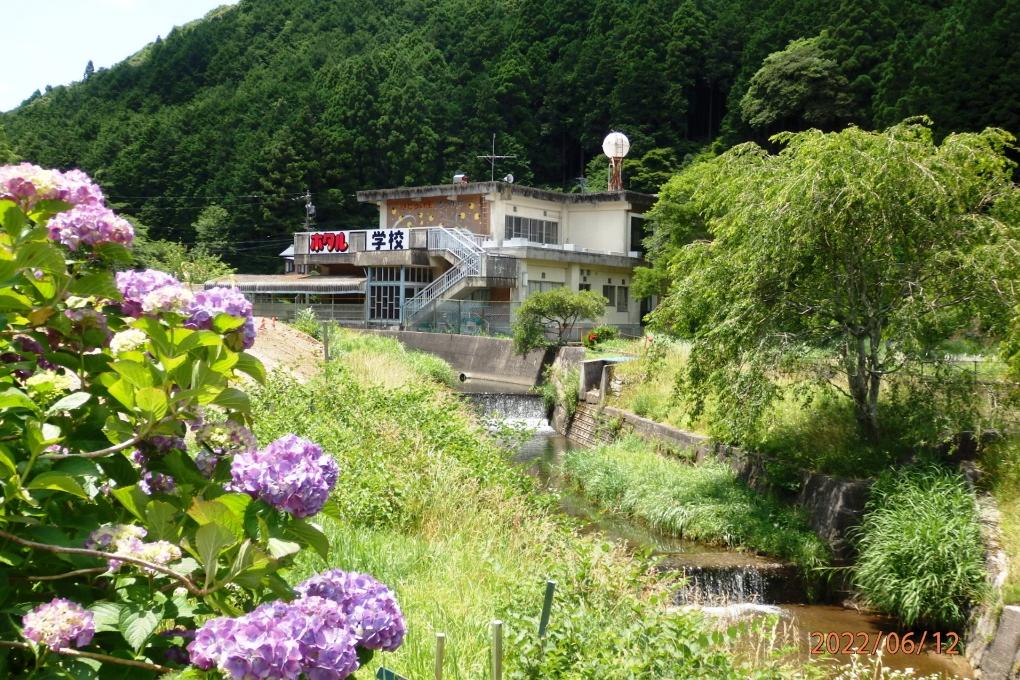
(257, 102)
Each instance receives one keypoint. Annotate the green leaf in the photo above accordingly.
(280, 548)
(10, 300)
(100, 284)
(308, 534)
(137, 625)
(7, 463)
(12, 218)
(123, 392)
(199, 339)
(40, 255)
(225, 322)
(217, 512)
(114, 253)
(246, 363)
(106, 615)
(56, 481)
(12, 397)
(71, 402)
(132, 498)
(234, 399)
(210, 540)
(152, 402)
(135, 373)
(160, 516)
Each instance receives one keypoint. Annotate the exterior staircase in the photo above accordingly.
(460, 247)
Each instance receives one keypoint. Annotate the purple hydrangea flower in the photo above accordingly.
(375, 618)
(112, 534)
(291, 474)
(280, 641)
(89, 225)
(134, 286)
(58, 624)
(156, 482)
(221, 300)
(27, 184)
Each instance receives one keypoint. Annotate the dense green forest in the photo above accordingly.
(253, 104)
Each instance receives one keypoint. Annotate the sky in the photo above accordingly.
(51, 41)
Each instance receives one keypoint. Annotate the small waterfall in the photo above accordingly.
(709, 582)
(528, 409)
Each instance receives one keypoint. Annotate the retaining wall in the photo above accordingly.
(479, 357)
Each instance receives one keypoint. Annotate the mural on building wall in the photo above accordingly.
(468, 211)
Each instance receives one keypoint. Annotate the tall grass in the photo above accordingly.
(429, 504)
(384, 362)
(921, 558)
(702, 502)
(1001, 463)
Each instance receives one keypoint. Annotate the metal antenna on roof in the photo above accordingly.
(492, 158)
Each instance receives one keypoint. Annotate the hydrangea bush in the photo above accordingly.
(142, 529)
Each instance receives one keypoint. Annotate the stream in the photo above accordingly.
(720, 582)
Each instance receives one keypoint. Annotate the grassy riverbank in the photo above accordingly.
(428, 503)
(703, 502)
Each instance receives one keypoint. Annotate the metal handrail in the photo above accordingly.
(467, 256)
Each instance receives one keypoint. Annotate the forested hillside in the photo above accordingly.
(250, 106)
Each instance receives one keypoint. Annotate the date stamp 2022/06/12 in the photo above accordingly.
(889, 643)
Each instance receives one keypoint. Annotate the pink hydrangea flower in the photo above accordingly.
(27, 184)
(89, 225)
(58, 624)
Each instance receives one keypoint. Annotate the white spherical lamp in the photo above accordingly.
(616, 145)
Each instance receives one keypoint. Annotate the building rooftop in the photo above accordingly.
(290, 283)
(506, 190)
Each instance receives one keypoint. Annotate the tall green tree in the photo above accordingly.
(854, 248)
(799, 86)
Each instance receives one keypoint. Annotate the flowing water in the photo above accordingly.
(719, 583)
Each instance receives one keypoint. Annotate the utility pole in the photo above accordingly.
(492, 158)
(309, 210)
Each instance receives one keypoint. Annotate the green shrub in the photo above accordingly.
(600, 334)
(306, 322)
(921, 556)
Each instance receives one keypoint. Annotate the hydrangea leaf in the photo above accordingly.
(137, 625)
(100, 284)
(56, 481)
(152, 402)
(246, 363)
(71, 402)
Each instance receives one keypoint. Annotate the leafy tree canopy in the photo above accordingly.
(857, 250)
(799, 86)
(558, 309)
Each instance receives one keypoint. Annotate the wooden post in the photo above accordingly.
(497, 650)
(543, 622)
(440, 648)
(325, 341)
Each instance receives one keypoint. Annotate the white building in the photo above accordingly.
(473, 250)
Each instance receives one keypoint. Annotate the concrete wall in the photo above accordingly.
(480, 357)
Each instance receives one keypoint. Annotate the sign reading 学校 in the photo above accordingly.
(339, 241)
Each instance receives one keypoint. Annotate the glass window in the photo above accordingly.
(532, 229)
(609, 292)
(584, 286)
(621, 298)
